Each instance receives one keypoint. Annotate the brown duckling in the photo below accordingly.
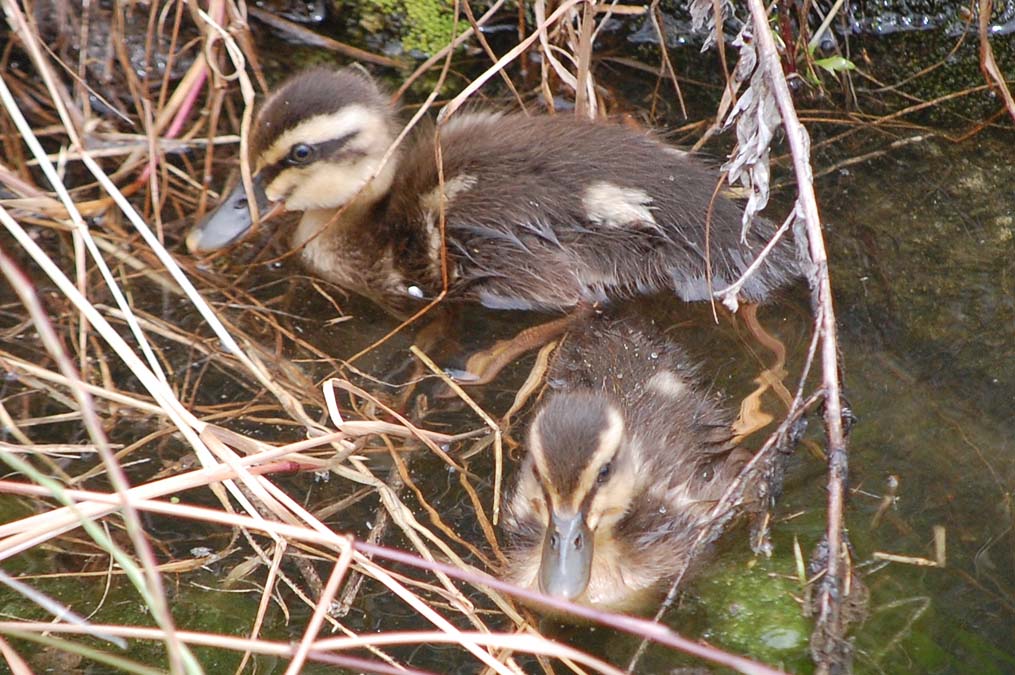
(627, 456)
(541, 212)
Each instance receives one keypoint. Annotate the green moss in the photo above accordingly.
(192, 605)
(424, 26)
(752, 611)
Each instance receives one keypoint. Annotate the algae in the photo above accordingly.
(752, 610)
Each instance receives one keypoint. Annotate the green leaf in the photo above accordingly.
(835, 64)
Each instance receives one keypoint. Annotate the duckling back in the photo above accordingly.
(545, 212)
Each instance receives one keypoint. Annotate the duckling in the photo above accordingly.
(541, 212)
(626, 458)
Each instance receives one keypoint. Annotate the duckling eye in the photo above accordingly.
(301, 153)
(707, 473)
(604, 473)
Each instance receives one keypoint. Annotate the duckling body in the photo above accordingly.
(540, 212)
(626, 459)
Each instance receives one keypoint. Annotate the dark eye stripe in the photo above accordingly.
(329, 148)
(324, 150)
(268, 173)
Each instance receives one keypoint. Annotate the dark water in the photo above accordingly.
(921, 245)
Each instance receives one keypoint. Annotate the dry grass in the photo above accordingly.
(89, 256)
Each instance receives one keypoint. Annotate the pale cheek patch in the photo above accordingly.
(615, 206)
(523, 571)
(284, 183)
(332, 185)
(528, 496)
(601, 509)
(613, 501)
(328, 185)
(667, 383)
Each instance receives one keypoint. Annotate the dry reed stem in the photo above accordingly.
(152, 590)
(17, 664)
(503, 61)
(988, 65)
(518, 642)
(332, 540)
(498, 451)
(308, 37)
(338, 573)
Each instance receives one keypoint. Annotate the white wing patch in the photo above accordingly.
(667, 383)
(431, 201)
(460, 123)
(615, 206)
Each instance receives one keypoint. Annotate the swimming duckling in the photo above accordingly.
(626, 459)
(541, 212)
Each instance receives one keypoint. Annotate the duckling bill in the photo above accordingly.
(626, 459)
(540, 212)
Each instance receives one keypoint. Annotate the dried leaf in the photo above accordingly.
(757, 118)
(703, 16)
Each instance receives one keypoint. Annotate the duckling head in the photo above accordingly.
(579, 477)
(317, 143)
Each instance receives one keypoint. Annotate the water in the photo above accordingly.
(924, 242)
(921, 250)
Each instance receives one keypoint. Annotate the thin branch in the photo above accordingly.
(830, 617)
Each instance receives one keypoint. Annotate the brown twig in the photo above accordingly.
(987, 63)
(831, 626)
(313, 39)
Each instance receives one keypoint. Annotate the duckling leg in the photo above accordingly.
(752, 417)
(483, 366)
(406, 368)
